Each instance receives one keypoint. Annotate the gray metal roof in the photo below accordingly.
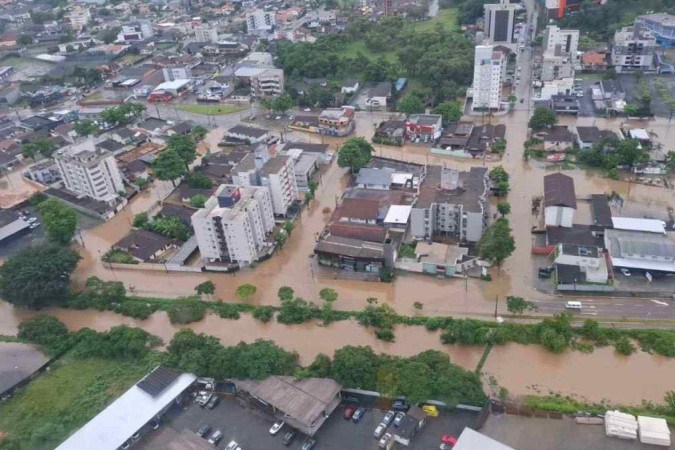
(374, 176)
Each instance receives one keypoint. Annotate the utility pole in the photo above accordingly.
(496, 303)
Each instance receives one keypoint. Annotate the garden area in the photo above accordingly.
(209, 110)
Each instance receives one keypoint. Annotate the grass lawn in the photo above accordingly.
(214, 110)
(47, 410)
(355, 47)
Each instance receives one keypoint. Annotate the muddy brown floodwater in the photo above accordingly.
(521, 369)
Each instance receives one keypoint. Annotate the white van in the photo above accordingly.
(573, 305)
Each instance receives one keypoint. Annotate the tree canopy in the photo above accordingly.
(42, 146)
(37, 276)
(542, 118)
(411, 104)
(123, 114)
(497, 243)
(451, 111)
(355, 153)
(168, 166)
(184, 147)
(60, 220)
(207, 287)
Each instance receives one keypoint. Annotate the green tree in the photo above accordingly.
(42, 146)
(504, 208)
(85, 127)
(263, 313)
(168, 166)
(37, 276)
(328, 294)
(450, 110)
(296, 311)
(542, 118)
(198, 201)
(24, 39)
(629, 153)
(42, 330)
(246, 291)
(497, 243)
(499, 146)
(411, 104)
(415, 381)
(108, 35)
(321, 367)
(285, 293)
(282, 103)
(198, 133)
(171, 227)
(207, 287)
(512, 100)
(670, 160)
(59, 219)
(500, 180)
(141, 220)
(199, 181)
(517, 305)
(184, 147)
(123, 114)
(355, 367)
(355, 153)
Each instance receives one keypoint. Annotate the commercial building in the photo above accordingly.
(488, 73)
(634, 49)
(278, 174)
(556, 9)
(144, 402)
(588, 263)
(560, 201)
(175, 72)
(499, 21)
(234, 225)
(337, 121)
(662, 25)
(451, 203)
(647, 251)
(561, 42)
(11, 224)
(260, 20)
(424, 127)
(89, 171)
(267, 82)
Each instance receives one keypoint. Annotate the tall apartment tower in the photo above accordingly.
(234, 224)
(89, 171)
(488, 71)
(278, 174)
(499, 21)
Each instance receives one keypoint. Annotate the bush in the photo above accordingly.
(227, 310)
(42, 330)
(296, 311)
(118, 256)
(263, 313)
(135, 308)
(434, 323)
(186, 310)
(385, 334)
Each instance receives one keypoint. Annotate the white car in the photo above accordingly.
(379, 430)
(276, 427)
(233, 446)
(307, 109)
(625, 272)
(385, 440)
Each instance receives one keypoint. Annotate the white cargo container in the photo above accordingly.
(621, 425)
(654, 430)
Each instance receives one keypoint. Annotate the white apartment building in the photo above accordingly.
(90, 171)
(78, 18)
(268, 83)
(634, 50)
(278, 174)
(135, 31)
(561, 42)
(177, 72)
(259, 20)
(499, 21)
(206, 34)
(488, 75)
(234, 224)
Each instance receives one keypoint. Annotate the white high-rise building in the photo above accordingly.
(278, 174)
(561, 42)
(260, 20)
(89, 171)
(234, 224)
(205, 33)
(488, 72)
(499, 21)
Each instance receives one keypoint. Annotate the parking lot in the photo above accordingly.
(246, 425)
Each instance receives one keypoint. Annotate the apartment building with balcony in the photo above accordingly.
(634, 50)
(278, 175)
(267, 83)
(87, 170)
(337, 121)
(235, 224)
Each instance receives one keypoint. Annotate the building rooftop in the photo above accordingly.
(357, 209)
(600, 211)
(143, 244)
(133, 409)
(398, 214)
(594, 134)
(637, 224)
(450, 186)
(372, 176)
(305, 147)
(425, 119)
(354, 248)
(576, 234)
(274, 165)
(559, 191)
(579, 250)
(247, 131)
(641, 250)
(370, 233)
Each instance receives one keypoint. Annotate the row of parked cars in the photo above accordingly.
(395, 416)
(289, 437)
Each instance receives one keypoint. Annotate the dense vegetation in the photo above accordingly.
(440, 59)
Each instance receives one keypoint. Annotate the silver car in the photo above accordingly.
(379, 431)
(388, 418)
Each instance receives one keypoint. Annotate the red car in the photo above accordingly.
(448, 441)
(349, 412)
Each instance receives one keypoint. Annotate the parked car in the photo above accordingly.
(400, 404)
(213, 402)
(126, 445)
(358, 415)
(379, 430)
(388, 418)
(216, 437)
(399, 418)
(32, 219)
(136, 436)
(204, 430)
(308, 444)
(349, 412)
(289, 437)
(448, 441)
(573, 305)
(276, 427)
(625, 272)
(543, 274)
(385, 440)
(233, 446)
(350, 400)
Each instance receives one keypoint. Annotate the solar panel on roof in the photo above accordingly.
(158, 380)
